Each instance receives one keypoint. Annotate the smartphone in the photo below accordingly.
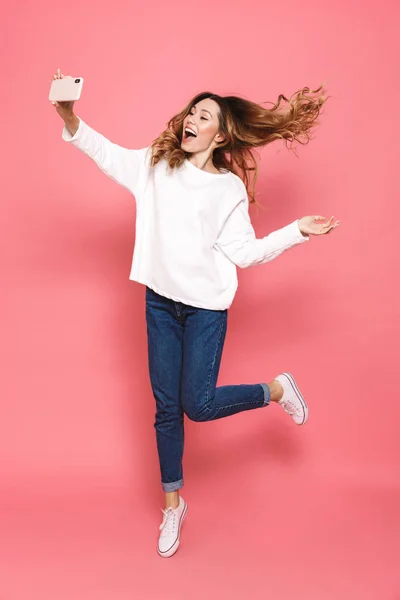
(66, 89)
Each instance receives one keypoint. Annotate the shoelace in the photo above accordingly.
(290, 408)
(169, 520)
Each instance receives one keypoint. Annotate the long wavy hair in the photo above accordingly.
(245, 126)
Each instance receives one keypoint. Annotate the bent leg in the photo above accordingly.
(203, 341)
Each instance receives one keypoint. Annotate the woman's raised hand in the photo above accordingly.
(64, 109)
(313, 225)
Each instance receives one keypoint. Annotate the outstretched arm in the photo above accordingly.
(237, 239)
(123, 165)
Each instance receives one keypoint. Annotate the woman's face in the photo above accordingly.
(204, 124)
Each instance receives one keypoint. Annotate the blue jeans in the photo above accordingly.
(184, 352)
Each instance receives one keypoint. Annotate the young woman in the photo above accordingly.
(193, 230)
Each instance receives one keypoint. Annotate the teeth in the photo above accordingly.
(191, 130)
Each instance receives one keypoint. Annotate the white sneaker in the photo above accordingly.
(170, 528)
(292, 401)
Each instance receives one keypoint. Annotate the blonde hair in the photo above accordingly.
(245, 126)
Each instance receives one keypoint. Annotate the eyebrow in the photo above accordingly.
(203, 109)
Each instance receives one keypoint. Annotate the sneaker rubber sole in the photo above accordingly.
(296, 390)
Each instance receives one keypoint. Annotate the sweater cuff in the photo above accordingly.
(301, 237)
(66, 134)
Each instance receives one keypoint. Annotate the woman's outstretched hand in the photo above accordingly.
(314, 225)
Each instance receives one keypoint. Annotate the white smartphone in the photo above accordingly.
(66, 89)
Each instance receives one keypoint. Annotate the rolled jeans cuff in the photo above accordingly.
(173, 486)
(267, 394)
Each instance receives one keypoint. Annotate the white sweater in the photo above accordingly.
(192, 227)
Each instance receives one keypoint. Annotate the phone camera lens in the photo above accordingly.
(77, 80)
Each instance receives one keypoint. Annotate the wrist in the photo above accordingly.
(69, 118)
(72, 123)
(303, 233)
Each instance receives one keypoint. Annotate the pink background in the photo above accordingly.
(274, 511)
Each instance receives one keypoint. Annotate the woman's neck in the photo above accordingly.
(203, 162)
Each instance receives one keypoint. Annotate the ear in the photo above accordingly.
(219, 138)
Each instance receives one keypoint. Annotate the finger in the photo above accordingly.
(331, 229)
(328, 224)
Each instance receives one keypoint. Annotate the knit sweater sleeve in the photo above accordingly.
(237, 239)
(125, 166)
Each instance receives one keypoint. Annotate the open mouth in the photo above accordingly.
(188, 134)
